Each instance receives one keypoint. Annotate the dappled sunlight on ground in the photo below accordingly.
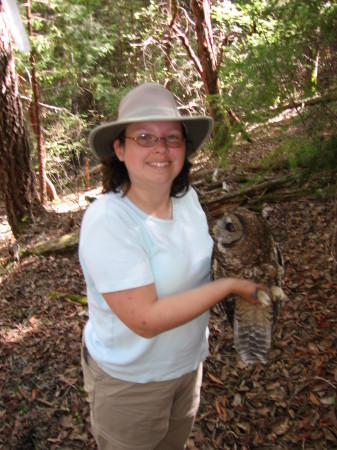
(75, 201)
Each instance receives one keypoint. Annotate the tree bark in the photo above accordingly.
(207, 63)
(17, 178)
(168, 42)
(206, 51)
(37, 123)
(207, 55)
(51, 191)
(134, 55)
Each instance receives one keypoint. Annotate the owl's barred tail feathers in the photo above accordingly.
(253, 326)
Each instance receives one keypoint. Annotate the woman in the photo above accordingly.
(146, 253)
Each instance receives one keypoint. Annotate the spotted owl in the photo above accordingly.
(244, 247)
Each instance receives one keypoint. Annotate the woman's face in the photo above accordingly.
(157, 166)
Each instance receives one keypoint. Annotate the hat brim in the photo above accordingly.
(198, 129)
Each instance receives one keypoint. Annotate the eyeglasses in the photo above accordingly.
(148, 140)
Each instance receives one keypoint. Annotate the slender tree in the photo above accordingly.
(17, 178)
(36, 122)
(207, 63)
(210, 68)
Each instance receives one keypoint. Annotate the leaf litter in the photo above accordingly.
(288, 403)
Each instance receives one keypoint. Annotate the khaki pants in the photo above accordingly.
(135, 416)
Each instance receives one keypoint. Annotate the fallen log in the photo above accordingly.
(312, 101)
(64, 243)
(255, 194)
(215, 209)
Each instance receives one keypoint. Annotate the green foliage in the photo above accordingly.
(88, 54)
(315, 155)
(272, 52)
(70, 43)
(80, 73)
(65, 144)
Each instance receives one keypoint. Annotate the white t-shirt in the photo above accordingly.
(121, 247)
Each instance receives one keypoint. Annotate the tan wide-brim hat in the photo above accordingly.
(149, 102)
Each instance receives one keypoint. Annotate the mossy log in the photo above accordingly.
(64, 243)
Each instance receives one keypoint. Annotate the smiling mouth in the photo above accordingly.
(159, 164)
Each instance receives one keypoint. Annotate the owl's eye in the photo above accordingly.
(230, 227)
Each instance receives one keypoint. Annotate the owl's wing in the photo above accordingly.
(227, 308)
(253, 325)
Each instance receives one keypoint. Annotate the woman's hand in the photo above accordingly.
(245, 289)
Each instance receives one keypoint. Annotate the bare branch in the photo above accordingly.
(174, 13)
(184, 39)
(224, 43)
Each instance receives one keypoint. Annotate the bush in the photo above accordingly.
(314, 155)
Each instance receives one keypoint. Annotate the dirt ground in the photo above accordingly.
(289, 403)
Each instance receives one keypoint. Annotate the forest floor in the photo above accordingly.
(288, 403)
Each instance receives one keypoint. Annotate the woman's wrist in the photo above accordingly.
(243, 288)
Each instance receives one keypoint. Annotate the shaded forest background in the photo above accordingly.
(242, 62)
(266, 71)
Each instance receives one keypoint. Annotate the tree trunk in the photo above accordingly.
(209, 74)
(311, 76)
(207, 64)
(51, 191)
(37, 123)
(134, 55)
(17, 179)
(168, 43)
